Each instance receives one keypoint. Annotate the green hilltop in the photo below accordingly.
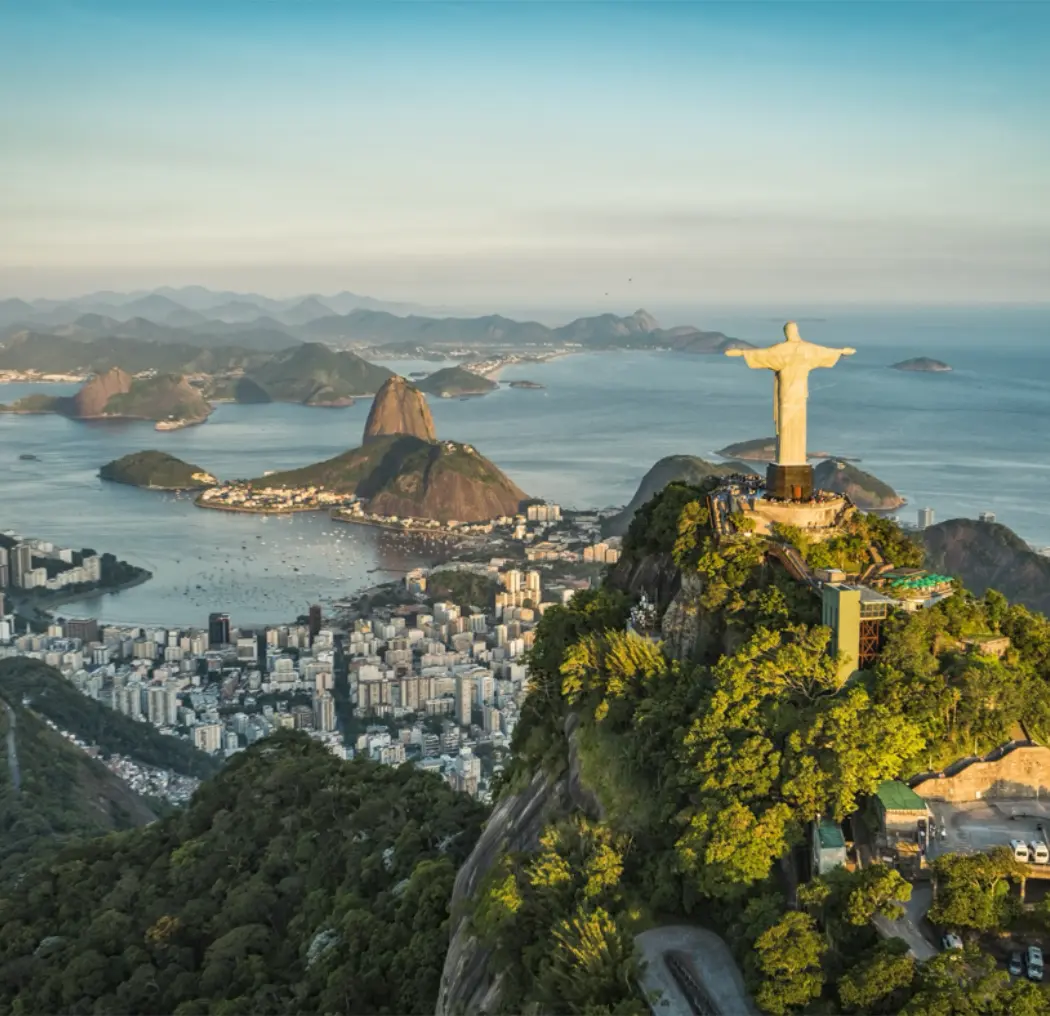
(161, 397)
(156, 470)
(670, 469)
(316, 375)
(453, 381)
(697, 759)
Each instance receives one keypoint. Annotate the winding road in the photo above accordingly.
(12, 750)
(691, 972)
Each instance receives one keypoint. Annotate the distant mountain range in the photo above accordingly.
(204, 318)
(179, 307)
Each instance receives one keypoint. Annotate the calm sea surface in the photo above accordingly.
(977, 439)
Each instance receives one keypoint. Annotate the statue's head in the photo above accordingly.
(791, 332)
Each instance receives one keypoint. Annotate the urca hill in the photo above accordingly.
(402, 468)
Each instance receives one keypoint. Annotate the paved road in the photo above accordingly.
(911, 926)
(707, 962)
(12, 750)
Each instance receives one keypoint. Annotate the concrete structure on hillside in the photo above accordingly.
(855, 615)
(828, 846)
(820, 519)
(1018, 773)
(899, 810)
(791, 476)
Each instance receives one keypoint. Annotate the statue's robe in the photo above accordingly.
(791, 362)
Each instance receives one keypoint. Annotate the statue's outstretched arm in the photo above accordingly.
(734, 352)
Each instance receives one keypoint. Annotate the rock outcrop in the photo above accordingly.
(91, 400)
(399, 408)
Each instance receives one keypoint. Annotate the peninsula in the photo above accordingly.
(867, 492)
(156, 471)
(401, 471)
(922, 365)
(169, 400)
(760, 449)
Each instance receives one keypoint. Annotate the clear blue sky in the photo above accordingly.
(528, 153)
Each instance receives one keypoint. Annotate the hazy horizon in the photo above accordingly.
(500, 156)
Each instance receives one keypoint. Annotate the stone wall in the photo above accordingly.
(1023, 772)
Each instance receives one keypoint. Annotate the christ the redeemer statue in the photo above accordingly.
(791, 361)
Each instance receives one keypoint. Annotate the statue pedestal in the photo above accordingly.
(789, 483)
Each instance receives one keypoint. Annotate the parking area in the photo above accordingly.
(981, 825)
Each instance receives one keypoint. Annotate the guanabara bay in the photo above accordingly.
(524, 509)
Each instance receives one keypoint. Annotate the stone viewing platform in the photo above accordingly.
(820, 517)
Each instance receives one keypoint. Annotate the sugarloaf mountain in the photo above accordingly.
(402, 468)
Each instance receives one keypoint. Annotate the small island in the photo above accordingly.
(526, 384)
(922, 365)
(157, 471)
(28, 457)
(451, 382)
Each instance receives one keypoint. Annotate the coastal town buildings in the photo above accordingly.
(428, 682)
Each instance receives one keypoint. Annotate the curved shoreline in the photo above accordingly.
(43, 613)
(254, 511)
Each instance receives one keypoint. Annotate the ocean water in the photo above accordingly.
(972, 440)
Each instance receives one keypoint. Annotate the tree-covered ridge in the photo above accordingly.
(294, 882)
(51, 695)
(52, 792)
(709, 766)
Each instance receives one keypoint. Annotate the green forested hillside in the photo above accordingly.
(51, 695)
(51, 791)
(155, 469)
(315, 374)
(710, 766)
(294, 882)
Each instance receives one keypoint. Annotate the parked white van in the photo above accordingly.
(1039, 852)
(1020, 850)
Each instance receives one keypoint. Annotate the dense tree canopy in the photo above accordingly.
(293, 882)
(712, 763)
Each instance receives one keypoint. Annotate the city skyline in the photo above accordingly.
(529, 154)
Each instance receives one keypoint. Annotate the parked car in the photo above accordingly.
(1016, 964)
(1034, 963)
(1020, 850)
(951, 941)
(1038, 852)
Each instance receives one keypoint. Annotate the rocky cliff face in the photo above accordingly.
(986, 555)
(399, 408)
(469, 985)
(92, 398)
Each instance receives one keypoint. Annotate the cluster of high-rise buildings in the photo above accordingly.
(37, 564)
(603, 552)
(441, 682)
(221, 688)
